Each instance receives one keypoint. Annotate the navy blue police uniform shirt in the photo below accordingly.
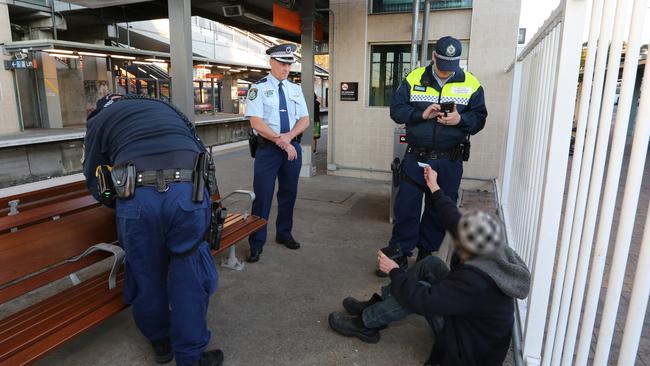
(129, 129)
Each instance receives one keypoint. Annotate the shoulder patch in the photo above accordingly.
(262, 80)
(252, 94)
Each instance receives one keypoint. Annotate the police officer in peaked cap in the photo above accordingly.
(278, 114)
(441, 106)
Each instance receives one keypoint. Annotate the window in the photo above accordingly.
(402, 6)
(389, 65)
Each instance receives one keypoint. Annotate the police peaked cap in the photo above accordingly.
(283, 53)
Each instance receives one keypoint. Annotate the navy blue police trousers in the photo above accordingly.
(411, 228)
(271, 163)
(168, 283)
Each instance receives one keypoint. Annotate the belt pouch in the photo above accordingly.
(123, 178)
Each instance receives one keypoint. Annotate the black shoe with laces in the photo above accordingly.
(356, 307)
(163, 350)
(211, 358)
(352, 326)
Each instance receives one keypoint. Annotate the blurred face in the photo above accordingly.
(279, 70)
(441, 74)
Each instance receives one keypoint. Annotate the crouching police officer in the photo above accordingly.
(278, 114)
(149, 151)
(441, 105)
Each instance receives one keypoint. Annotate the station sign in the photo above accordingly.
(22, 62)
(350, 91)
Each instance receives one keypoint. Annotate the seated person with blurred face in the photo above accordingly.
(469, 306)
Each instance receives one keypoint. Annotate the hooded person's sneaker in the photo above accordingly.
(352, 326)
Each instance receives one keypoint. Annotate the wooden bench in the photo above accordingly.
(37, 254)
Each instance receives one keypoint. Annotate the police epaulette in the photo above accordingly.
(262, 80)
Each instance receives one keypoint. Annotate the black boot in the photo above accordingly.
(352, 326)
(402, 262)
(211, 358)
(163, 350)
(422, 253)
(254, 255)
(356, 307)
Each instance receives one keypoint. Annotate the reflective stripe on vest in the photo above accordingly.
(458, 92)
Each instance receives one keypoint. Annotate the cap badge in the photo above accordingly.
(451, 50)
(288, 49)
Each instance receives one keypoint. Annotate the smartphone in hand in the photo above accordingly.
(447, 107)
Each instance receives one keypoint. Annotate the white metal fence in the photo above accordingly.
(558, 327)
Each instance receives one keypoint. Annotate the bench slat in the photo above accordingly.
(33, 248)
(61, 321)
(46, 212)
(54, 340)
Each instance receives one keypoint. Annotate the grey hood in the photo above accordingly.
(507, 270)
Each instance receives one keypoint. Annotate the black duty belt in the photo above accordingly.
(429, 153)
(264, 142)
(160, 178)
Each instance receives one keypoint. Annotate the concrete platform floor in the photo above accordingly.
(274, 312)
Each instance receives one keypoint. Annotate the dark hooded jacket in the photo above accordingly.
(475, 299)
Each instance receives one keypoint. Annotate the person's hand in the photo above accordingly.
(431, 177)
(292, 154)
(385, 264)
(452, 119)
(283, 140)
(431, 111)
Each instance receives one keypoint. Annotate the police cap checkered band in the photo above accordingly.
(479, 233)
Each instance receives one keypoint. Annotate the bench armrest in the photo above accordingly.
(250, 194)
(118, 259)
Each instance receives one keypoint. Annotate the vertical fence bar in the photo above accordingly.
(569, 247)
(615, 158)
(570, 46)
(641, 286)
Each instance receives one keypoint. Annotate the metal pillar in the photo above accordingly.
(425, 33)
(414, 34)
(8, 98)
(180, 46)
(307, 83)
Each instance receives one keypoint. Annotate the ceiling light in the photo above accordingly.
(58, 51)
(141, 63)
(223, 67)
(256, 70)
(123, 57)
(233, 70)
(206, 65)
(62, 56)
(156, 60)
(92, 54)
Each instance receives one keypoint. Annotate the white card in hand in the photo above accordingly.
(423, 165)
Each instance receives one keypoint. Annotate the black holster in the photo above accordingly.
(199, 177)
(252, 143)
(462, 150)
(105, 186)
(218, 216)
(395, 168)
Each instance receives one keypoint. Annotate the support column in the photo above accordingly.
(49, 91)
(180, 46)
(414, 34)
(425, 33)
(307, 76)
(8, 103)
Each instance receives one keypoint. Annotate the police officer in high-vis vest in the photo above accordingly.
(278, 114)
(441, 106)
